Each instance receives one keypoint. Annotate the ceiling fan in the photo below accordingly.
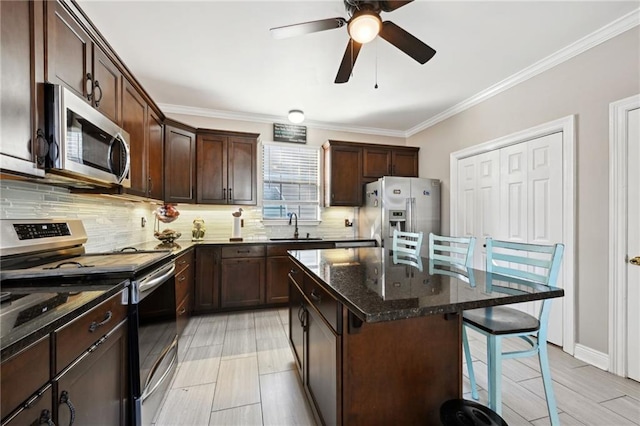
(363, 26)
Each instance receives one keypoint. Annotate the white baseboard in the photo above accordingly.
(591, 356)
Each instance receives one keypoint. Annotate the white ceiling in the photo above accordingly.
(219, 59)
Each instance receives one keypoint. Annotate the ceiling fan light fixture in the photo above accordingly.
(296, 116)
(364, 26)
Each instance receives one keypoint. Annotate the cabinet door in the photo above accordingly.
(376, 162)
(134, 122)
(212, 169)
(20, 56)
(322, 372)
(97, 385)
(155, 145)
(107, 80)
(297, 315)
(68, 50)
(404, 163)
(345, 188)
(179, 165)
(241, 173)
(278, 268)
(242, 282)
(207, 285)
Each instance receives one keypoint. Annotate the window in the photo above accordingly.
(290, 182)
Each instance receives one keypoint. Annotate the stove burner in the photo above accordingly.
(78, 265)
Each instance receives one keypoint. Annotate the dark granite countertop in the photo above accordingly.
(74, 301)
(367, 281)
(181, 246)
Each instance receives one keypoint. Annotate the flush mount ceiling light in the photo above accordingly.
(364, 26)
(296, 116)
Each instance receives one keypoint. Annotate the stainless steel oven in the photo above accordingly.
(52, 251)
(156, 340)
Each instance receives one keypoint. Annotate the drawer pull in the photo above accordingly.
(182, 262)
(315, 297)
(182, 278)
(95, 325)
(65, 399)
(182, 311)
(243, 251)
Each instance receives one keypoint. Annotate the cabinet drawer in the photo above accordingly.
(184, 261)
(243, 251)
(77, 336)
(23, 374)
(183, 284)
(328, 307)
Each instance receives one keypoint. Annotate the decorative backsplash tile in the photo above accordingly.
(114, 222)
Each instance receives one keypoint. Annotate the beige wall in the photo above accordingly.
(584, 86)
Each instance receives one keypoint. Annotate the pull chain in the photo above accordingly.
(376, 85)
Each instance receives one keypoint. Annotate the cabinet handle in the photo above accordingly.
(243, 251)
(45, 418)
(224, 193)
(182, 311)
(182, 262)
(230, 196)
(65, 399)
(95, 325)
(89, 86)
(150, 184)
(182, 278)
(96, 86)
(315, 297)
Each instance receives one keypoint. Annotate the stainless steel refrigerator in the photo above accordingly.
(406, 204)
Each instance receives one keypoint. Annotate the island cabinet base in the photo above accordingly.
(400, 372)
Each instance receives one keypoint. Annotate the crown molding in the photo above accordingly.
(264, 118)
(613, 29)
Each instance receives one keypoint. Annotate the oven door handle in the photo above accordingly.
(156, 278)
(147, 392)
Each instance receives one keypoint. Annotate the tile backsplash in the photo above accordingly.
(114, 222)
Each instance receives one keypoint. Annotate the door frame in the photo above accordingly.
(566, 125)
(618, 143)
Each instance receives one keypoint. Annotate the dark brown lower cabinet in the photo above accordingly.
(278, 268)
(207, 280)
(242, 282)
(322, 367)
(360, 373)
(94, 389)
(38, 412)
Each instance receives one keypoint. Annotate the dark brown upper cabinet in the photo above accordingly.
(155, 148)
(22, 57)
(180, 162)
(227, 168)
(76, 62)
(134, 110)
(350, 165)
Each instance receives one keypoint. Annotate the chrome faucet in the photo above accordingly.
(295, 232)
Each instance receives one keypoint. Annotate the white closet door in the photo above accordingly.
(478, 198)
(531, 204)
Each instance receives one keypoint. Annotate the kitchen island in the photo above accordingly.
(378, 342)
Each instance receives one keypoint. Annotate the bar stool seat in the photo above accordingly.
(501, 320)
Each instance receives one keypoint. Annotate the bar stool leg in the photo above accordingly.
(467, 356)
(543, 357)
(494, 359)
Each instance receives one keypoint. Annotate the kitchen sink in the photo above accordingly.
(296, 239)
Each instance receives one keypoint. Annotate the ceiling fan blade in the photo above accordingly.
(348, 60)
(307, 27)
(406, 42)
(391, 5)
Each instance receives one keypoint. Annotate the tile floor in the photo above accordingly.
(237, 369)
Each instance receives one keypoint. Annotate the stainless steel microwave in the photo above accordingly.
(84, 145)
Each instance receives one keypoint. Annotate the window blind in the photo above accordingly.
(290, 181)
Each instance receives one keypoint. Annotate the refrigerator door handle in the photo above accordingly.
(410, 224)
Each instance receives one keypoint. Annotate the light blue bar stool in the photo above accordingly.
(406, 246)
(529, 264)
